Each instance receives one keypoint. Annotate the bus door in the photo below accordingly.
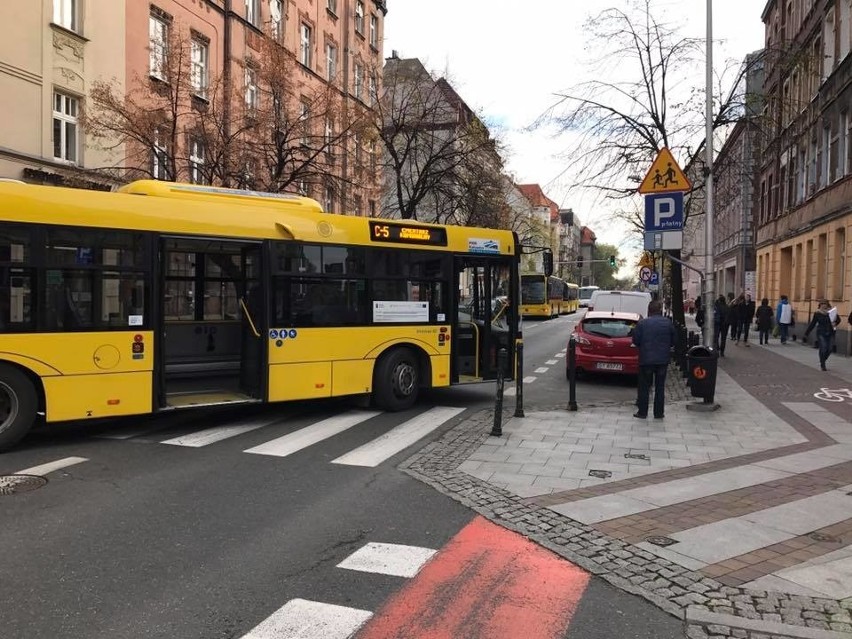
(213, 323)
(484, 317)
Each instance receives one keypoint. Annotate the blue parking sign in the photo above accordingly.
(664, 212)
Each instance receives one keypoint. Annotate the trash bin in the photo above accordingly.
(701, 363)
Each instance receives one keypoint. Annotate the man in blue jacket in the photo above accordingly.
(655, 338)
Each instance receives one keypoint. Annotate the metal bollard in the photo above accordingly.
(497, 428)
(519, 378)
(572, 374)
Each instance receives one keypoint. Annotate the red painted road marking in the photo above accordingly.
(487, 582)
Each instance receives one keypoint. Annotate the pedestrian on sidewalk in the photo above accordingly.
(746, 316)
(822, 321)
(784, 318)
(764, 320)
(699, 312)
(720, 324)
(655, 337)
(734, 317)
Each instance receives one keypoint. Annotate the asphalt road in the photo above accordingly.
(154, 533)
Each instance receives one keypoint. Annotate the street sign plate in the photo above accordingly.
(655, 279)
(663, 240)
(644, 273)
(664, 212)
(664, 176)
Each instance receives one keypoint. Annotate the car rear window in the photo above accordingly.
(609, 327)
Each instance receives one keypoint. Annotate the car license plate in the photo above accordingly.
(609, 366)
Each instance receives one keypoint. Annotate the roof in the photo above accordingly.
(536, 197)
(588, 236)
(188, 209)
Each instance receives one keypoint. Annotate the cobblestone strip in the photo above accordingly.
(673, 588)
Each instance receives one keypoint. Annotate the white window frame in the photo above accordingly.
(276, 18)
(331, 5)
(330, 61)
(197, 160)
(253, 14)
(306, 33)
(66, 110)
(329, 133)
(844, 31)
(252, 92)
(328, 198)
(359, 17)
(304, 117)
(374, 31)
(65, 14)
(158, 44)
(159, 161)
(199, 65)
(829, 38)
(358, 81)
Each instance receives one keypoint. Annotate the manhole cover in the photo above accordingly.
(661, 541)
(600, 474)
(14, 484)
(823, 537)
(636, 456)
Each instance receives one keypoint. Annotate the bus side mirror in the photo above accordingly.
(547, 261)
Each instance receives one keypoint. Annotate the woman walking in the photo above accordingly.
(764, 320)
(824, 331)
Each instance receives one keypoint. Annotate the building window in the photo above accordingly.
(252, 93)
(844, 32)
(305, 45)
(371, 208)
(846, 130)
(158, 38)
(359, 81)
(196, 162)
(65, 14)
(374, 31)
(304, 119)
(253, 12)
(329, 134)
(373, 89)
(330, 61)
(198, 61)
(328, 198)
(159, 159)
(65, 112)
(359, 17)
(835, 153)
(275, 18)
(839, 263)
(331, 5)
(356, 206)
(356, 144)
(828, 48)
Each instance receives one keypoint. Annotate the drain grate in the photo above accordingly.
(600, 474)
(14, 484)
(636, 456)
(826, 538)
(661, 541)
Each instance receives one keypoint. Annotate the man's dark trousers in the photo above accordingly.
(657, 372)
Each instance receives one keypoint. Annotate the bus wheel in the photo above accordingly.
(18, 405)
(396, 381)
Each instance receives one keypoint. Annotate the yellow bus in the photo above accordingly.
(541, 295)
(165, 296)
(570, 298)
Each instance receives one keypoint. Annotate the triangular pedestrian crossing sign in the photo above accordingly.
(664, 176)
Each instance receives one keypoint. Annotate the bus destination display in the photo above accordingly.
(407, 234)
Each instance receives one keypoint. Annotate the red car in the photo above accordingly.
(605, 343)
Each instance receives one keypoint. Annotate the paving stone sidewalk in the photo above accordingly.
(690, 512)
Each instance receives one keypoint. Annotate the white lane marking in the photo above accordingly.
(559, 355)
(303, 619)
(550, 362)
(52, 466)
(401, 437)
(310, 435)
(510, 391)
(541, 369)
(388, 559)
(530, 379)
(217, 433)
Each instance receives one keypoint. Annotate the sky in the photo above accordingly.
(507, 60)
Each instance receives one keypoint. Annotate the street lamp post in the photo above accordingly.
(709, 274)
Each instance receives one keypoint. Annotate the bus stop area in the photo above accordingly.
(738, 521)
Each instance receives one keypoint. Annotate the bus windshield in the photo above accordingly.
(532, 289)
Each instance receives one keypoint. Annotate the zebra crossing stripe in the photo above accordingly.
(304, 619)
(216, 433)
(375, 452)
(59, 464)
(310, 435)
(396, 560)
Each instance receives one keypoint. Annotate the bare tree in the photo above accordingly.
(434, 148)
(645, 96)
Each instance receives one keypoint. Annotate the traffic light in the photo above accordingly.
(612, 261)
(547, 262)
